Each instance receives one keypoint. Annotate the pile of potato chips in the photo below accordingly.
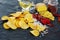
(22, 20)
(25, 20)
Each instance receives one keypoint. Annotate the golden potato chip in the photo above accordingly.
(11, 25)
(29, 17)
(12, 18)
(38, 28)
(4, 17)
(17, 14)
(22, 19)
(17, 24)
(35, 32)
(43, 28)
(14, 21)
(26, 12)
(12, 14)
(47, 14)
(41, 7)
(6, 26)
(25, 21)
(23, 25)
(31, 25)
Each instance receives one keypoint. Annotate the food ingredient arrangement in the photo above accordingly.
(37, 21)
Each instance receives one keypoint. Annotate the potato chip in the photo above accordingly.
(23, 25)
(17, 14)
(43, 28)
(29, 17)
(35, 32)
(6, 26)
(4, 18)
(11, 25)
(38, 28)
(47, 14)
(22, 19)
(17, 24)
(41, 7)
(13, 18)
(31, 25)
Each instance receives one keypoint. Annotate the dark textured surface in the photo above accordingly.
(8, 6)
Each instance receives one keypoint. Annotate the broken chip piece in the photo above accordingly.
(35, 32)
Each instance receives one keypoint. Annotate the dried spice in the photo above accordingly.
(43, 20)
(58, 19)
(52, 9)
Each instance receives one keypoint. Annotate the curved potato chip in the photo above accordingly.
(12, 14)
(23, 25)
(6, 26)
(17, 24)
(41, 7)
(4, 18)
(47, 14)
(43, 28)
(17, 14)
(35, 32)
(29, 17)
(11, 25)
(31, 25)
(12, 17)
(38, 28)
(22, 19)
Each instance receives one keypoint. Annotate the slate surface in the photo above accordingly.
(8, 6)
